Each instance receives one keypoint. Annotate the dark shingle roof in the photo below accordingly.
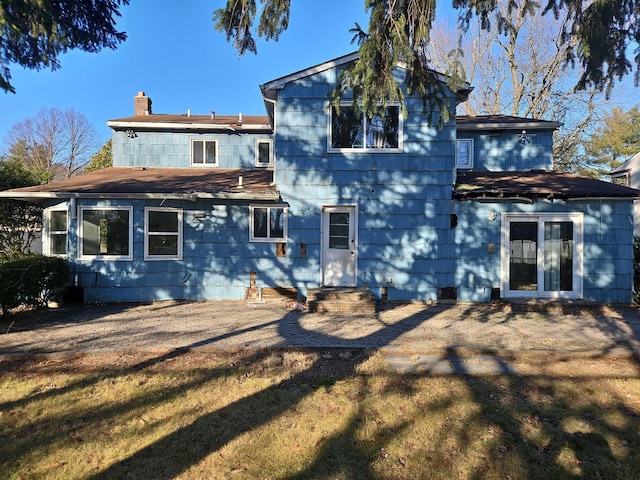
(535, 184)
(138, 182)
(482, 122)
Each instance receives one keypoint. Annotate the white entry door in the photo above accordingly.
(339, 246)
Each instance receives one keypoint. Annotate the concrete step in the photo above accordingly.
(340, 300)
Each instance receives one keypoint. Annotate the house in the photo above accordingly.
(307, 196)
(628, 175)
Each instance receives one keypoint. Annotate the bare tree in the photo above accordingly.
(518, 66)
(54, 143)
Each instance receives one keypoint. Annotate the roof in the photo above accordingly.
(535, 184)
(194, 122)
(627, 165)
(502, 122)
(142, 182)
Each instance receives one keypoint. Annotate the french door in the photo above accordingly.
(542, 255)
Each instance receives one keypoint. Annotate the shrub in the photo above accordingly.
(31, 280)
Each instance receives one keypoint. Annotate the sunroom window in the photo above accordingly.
(163, 234)
(268, 223)
(106, 233)
(353, 130)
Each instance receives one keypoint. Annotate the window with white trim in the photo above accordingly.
(264, 153)
(268, 223)
(351, 129)
(622, 180)
(542, 255)
(105, 233)
(204, 153)
(464, 153)
(162, 233)
(56, 231)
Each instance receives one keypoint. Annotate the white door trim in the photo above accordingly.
(352, 210)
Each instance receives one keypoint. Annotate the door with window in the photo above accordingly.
(339, 246)
(542, 256)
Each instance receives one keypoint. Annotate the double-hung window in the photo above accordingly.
(351, 129)
(56, 231)
(204, 153)
(268, 223)
(264, 153)
(106, 233)
(163, 234)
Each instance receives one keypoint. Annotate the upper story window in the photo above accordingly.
(264, 153)
(106, 233)
(351, 130)
(56, 232)
(163, 234)
(268, 223)
(204, 153)
(464, 153)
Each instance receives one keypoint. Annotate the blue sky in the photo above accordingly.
(174, 55)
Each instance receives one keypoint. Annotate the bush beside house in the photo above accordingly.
(31, 280)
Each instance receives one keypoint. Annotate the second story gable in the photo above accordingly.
(190, 141)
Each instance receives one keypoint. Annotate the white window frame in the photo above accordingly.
(469, 163)
(147, 233)
(270, 143)
(81, 254)
(578, 237)
(624, 175)
(268, 238)
(48, 231)
(204, 149)
(364, 148)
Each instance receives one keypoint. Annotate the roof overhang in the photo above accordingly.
(157, 183)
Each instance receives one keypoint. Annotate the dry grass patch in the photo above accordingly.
(293, 414)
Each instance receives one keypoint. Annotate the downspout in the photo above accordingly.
(274, 103)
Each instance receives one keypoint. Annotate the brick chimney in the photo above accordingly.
(141, 105)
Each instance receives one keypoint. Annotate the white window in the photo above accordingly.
(56, 231)
(621, 179)
(542, 255)
(268, 223)
(352, 130)
(264, 153)
(106, 233)
(464, 153)
(162, 234)
(204, 153)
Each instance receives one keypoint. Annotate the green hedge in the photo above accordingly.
(31, 280)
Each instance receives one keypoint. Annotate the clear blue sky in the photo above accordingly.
(174, 55)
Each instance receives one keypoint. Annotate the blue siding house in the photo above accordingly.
(310, 196)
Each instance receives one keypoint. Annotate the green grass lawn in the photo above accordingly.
(294, 415)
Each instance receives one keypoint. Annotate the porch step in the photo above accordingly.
(340, 300)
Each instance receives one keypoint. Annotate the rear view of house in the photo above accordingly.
(310, 196)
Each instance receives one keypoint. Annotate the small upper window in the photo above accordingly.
(351, 129)
(204, 152)
(264, 153)
(268, 223)
(56, 227)
(464, 153)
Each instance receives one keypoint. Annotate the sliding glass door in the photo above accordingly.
(542, 255)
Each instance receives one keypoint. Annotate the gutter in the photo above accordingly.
(188, 126)
(191, 197)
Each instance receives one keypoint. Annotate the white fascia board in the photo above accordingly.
(188, 126)
(192, 197)
(279, 83)
(509, 126)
